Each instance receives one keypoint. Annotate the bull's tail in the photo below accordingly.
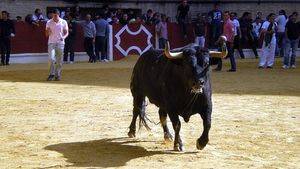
(143, 117)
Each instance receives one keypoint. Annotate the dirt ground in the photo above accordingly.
(82, 121)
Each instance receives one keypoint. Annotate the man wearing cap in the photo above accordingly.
(57, 31)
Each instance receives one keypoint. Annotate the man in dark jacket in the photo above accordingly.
(70, 40)
(7, 30)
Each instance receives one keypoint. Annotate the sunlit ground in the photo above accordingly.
(82, 121)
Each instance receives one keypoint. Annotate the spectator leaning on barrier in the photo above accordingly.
(148, 17)
(200, 30)
(228, 32)
(38, 15)
(280, 34)
(124, 20)
(102, 32)
(70, 40)
(183, 16)
(162, 31)
(57, 31)
(292, 40)
(215, 20)
(7, 30)
(89, 33)
(269, 44)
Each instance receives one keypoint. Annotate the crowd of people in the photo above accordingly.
(279, 33)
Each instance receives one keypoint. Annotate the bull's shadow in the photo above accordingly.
(103, 153)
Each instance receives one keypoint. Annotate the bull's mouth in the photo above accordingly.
(197, 89)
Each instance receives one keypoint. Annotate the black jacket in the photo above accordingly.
(6, 28)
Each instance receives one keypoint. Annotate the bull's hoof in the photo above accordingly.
(179, 148)
(168, 137)
(131, 134)
(201, 143)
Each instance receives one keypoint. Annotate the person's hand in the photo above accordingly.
(94, 40)
(12, 35)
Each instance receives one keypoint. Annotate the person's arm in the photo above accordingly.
(65, 30)
(48, 30)
(94, 31)
(13, 30)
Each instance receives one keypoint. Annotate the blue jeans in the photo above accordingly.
(290, 60)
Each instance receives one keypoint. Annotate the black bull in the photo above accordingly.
(177, 83)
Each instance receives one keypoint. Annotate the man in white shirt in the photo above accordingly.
(57, 31)
(281, 21)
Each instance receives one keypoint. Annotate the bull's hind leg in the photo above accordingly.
(138, 109)
(204, 138)
(178, 145)
(163, 120)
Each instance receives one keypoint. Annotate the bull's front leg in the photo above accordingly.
(204, 138)
(178, 145)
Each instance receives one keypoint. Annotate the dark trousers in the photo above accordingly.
(69, 48)
(237, 45)
(5, 47)
(280, 44)
(100, 46)
(216, 31)
(89, 48)
(161, 43)
(231, 55)
(252, 43)
(183, 26)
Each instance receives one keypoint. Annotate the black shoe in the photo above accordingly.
(269, 67)
(50, 78)
(7, 64)
(243, 57)
(57, 78)
(231, 70)
(260, 67)
(256, 57)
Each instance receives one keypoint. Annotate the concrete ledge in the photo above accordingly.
(81, 56)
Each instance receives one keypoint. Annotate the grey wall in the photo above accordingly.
(24, 7)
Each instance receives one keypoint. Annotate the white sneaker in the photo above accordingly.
(293, 66)
(71, 62)
(105, 60)
(285, 67)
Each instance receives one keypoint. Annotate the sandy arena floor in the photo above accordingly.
(83, 120)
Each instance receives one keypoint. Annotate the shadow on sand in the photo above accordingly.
(105, 153)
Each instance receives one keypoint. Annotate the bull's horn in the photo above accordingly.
(221, 54)
(172, 55)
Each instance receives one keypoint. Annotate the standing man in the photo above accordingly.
(57, 31)
(228, 32)
(70, 40)
(292, 40)
(89, 33)
(200, 30)
(102, 32)
(247, 33)
(7, 30)
(237, 33)
(183, 16)
(162, 31)
(280, 34)
(215, 19)
(268, 49)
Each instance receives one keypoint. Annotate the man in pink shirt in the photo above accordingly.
(228, 32)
